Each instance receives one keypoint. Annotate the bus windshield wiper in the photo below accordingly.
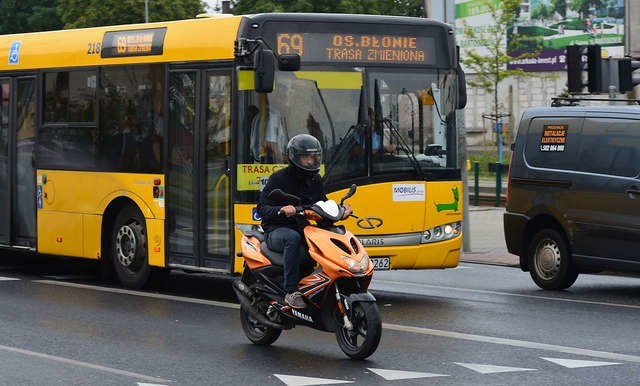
(326, 110)
(402, 144)
(381, 122)
(359, 127)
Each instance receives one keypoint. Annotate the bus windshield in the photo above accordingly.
(370, 122)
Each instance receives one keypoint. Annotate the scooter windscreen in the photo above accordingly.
(328, 209)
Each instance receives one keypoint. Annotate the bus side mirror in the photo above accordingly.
(462, 88)
(264, 62)
(289, 62)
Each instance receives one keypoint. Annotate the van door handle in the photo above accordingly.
(633, 192)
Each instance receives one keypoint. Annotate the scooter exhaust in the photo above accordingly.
(244, 294)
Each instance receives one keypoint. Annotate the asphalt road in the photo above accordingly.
(477, 324)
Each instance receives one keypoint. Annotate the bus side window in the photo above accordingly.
(131, 128)
(68, 137)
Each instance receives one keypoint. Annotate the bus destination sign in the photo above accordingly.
(140, 42)
(362, 48)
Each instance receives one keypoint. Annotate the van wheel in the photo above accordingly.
(129, 248)
(549, 261)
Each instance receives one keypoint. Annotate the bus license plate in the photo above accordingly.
(380, 263)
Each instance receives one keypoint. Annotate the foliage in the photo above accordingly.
(541, 12)
(581, 6)
(490, 67)
(28, 16)
(93, 13)
(377, 7)
(559, 6)
(602, 7)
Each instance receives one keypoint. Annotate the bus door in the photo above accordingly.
(198, 188)
(17, 163)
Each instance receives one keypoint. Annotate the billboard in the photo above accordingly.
(545, 27)
(632, 31)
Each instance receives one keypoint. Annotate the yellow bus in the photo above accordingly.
(145, 146)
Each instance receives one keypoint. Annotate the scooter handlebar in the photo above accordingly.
(300, 211)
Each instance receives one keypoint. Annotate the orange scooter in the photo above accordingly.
(334, 284)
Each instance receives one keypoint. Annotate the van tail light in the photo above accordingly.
(506, 199)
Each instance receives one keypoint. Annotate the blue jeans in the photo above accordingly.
(287, 241)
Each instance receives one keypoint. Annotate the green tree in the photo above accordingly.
(377, 7)
(94, 13)
(559, 6)
(581, 6)
(585, 6)
(541, 12)
(28, 16)
(490, 66)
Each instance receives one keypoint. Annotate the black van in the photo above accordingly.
(573, 196)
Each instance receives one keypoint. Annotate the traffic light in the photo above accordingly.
(626, 67)
(575, 68)
(594, 68)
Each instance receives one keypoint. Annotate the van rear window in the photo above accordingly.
(552, 143)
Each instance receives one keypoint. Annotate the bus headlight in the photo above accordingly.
(441, 232)
(357, 266)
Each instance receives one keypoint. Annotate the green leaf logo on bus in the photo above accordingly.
(452, 205)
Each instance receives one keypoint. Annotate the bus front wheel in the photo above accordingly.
(129, 248)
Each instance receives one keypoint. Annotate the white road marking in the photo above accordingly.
(395, 375)
(69, 277)
(293, 380)
(82, 364)
(3, 278)
(388, 326)
(514, 342)
(574, 363)
(141, 293)
(491, 369)
(149, 384)
(404, 283)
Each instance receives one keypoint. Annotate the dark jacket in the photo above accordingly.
(292, 181)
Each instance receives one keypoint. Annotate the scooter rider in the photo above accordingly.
(284, 230)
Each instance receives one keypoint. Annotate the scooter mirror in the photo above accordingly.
(351, 192)
(282, 197)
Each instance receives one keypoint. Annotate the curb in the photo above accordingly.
(491, 257)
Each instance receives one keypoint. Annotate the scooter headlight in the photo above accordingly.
(355, 266)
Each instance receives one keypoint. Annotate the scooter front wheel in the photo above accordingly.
(363, 339)
(256, 332)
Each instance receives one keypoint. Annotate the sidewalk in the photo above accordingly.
(487, 238)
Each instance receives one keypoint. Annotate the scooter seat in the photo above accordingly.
(276, 258)
(256, 233)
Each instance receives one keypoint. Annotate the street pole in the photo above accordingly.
(499, 131)
(146, 11)
(444, 10)
(612, 94)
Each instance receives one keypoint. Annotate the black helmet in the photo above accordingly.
(305, 145)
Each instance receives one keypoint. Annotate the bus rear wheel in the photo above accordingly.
(129, 248)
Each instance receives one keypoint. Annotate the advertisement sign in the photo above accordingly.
(545, 27)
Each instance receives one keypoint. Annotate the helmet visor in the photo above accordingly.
(309, 161)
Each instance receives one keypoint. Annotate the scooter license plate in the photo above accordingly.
(380, 263)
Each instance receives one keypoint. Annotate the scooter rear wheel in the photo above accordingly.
(256, 332)
(363, 339)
